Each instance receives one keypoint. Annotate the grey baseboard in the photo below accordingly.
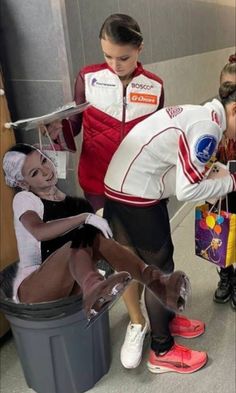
(177, 219)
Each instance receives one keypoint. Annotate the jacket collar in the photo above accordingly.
(217, 106)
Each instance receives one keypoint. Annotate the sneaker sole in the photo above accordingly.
(221, 301)
(163, 369)
(187, 335)
(132, 366)
(233, 306)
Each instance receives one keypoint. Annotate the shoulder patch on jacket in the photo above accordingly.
(205, 147)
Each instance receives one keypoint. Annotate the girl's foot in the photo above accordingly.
(104, 293)
(171, 289)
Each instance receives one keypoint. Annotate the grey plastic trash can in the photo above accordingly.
(58, 352)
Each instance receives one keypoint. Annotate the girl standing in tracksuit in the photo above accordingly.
(121, 93)
(167, 154)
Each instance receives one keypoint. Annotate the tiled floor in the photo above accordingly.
(219, 339)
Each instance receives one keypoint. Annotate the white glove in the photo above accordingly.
(100, 223)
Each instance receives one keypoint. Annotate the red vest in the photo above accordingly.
(113, 112)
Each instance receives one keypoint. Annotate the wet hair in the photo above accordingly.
(230, 67)
(23, 148)
(121, 29)
(227, 92)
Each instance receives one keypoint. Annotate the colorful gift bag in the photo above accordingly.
(215, 235)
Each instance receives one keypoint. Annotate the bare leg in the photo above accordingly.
(51, 281)
(70, 271)
(38, 288)
(131, 298)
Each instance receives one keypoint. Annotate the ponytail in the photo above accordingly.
(227, 93)
(232, 58)
(230, 67)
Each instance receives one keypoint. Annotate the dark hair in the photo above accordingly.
(121, 29)
(23, 148)
(230, 67)
(227, 92)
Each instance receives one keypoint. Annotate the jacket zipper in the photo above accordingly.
(124, 104)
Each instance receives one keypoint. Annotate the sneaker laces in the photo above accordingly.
(224, 279)
(180, 321)
(183, 322)
(133, 336)
(186, 352)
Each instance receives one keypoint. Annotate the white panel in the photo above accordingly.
(191, 79)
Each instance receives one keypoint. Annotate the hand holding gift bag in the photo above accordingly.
(215, 235)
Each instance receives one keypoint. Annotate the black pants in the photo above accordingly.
(146, 230)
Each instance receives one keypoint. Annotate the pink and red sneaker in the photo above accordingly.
(178, 359)
(187, 328)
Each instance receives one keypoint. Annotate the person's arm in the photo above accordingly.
(49, 230)
(43, 231)
(72, 126)
(79, 98)
(195, 150)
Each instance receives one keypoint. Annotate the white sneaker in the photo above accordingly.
(131, 350)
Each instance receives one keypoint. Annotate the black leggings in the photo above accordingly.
(146, 230)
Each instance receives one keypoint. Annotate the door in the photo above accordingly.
(8, 247)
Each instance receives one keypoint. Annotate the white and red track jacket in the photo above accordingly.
(167, 154)
(113, 112)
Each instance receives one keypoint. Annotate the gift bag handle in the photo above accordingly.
(219, 205)
(48, 136)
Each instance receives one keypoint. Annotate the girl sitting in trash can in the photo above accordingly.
(60, 241)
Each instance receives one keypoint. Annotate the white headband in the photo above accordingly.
(13, 162)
